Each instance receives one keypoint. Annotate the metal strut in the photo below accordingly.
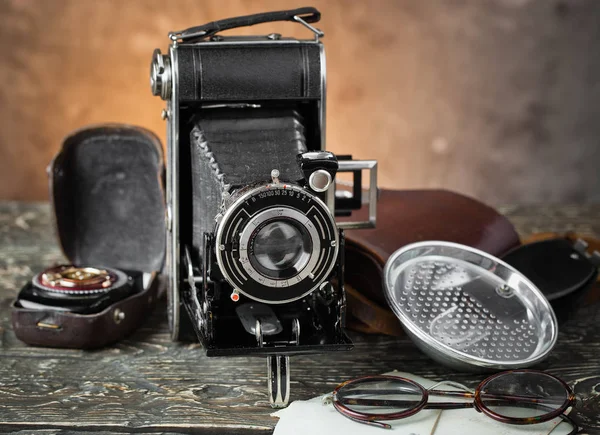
(278, 367)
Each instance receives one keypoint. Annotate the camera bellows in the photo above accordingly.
(238, 147)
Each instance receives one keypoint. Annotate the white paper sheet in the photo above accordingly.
(314, 418)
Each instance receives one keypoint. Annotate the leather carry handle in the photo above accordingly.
(306, 14)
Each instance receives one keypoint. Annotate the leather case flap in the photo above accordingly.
(409, 216)
(106, 186)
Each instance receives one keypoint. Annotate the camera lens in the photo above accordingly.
(276, 244)
(280, 249)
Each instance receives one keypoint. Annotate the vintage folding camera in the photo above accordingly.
(254, 253)
(106, 191)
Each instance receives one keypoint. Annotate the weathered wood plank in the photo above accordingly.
(147, 384)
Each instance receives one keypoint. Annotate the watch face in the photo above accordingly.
(79, 289)
(78, 280)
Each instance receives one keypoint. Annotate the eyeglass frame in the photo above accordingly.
(362, 417)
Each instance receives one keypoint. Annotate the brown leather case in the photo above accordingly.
(106, 189)
(409, 216)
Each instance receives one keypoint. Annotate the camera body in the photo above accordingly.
(254, 252)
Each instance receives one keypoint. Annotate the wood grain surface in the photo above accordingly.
(147, 384)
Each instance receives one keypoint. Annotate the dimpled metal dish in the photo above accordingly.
(468, 309)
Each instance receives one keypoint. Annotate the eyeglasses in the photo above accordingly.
(514, 397)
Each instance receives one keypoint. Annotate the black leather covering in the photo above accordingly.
(108, 198)
(250, 72)
(232, 148)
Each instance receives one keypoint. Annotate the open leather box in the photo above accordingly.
(106, 190)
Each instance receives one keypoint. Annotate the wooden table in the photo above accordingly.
(147, 384)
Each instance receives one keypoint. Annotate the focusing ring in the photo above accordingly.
(268, 203)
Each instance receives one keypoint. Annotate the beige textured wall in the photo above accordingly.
(499, 99)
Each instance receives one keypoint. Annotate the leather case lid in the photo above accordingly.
(409, 216)
(106, 185)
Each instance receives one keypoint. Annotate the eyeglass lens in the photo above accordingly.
(380, 396)
(523, 394)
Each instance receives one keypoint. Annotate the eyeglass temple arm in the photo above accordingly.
(499, 399)
(404, 403)
(327, 399)
(568, 420)
(450, 384)
(369, 422)
(464, 394)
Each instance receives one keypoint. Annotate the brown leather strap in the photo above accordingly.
(409, 216)
(374, 319)
(89, 331)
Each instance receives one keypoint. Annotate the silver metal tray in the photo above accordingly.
(467, 309)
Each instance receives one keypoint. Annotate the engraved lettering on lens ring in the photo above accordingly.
(75, 280)
(304, 216)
